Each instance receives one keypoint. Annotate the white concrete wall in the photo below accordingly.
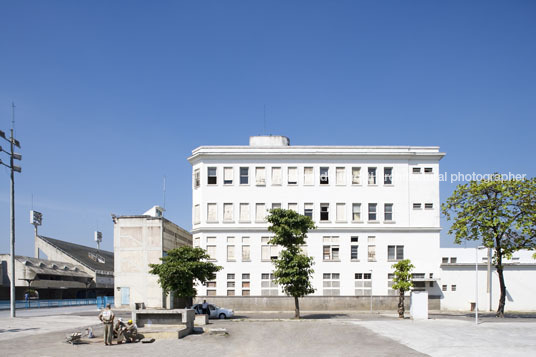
(138, 242)
(519, 275)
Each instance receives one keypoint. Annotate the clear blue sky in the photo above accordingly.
(113, 95)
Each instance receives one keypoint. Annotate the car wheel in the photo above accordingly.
(222, 316)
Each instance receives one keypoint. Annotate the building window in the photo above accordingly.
(260, 212)
(445, 260)
(356, 176)
(390, 290)
(276, 205)
(340, 178)
(268, 285)
(276, 176)
(211, 247)
(212, 212)
(268, 251)
(372, 211)
(197, 214)
(211, 292)
(308, 210)
(260, 176)
(395, 252)
(354, 248)
(444, 287)
(388, 176)
(211, 176)
(231, 285)
(341, 212)
(356, 212)
(331, 284)
(293, 207)
(197, 178)
(363, 284)
(324, 175)
(453, 260)
(428, 170)
(453, 288)
(245, 285)
(371, 249)
(416, 170)
(292, 176)
(371, 175)
(227, 175)
(388, 212)
(197, 242)
(428, 205)
(246, 256)
(231, 249)
(244, 175)
(324, 212)
(244, 212)
(416, 206)
(228, 212)
(308, 176)
(331, 248)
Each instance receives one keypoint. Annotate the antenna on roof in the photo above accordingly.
(264, 121)
(164, 192)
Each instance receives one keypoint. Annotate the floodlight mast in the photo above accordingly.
(12, 157)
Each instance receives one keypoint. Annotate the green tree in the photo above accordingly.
(293, 269)
(499, 213)
(402, 282)
(181, 269)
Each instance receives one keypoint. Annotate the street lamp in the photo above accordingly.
(12, 157)
(476, 282)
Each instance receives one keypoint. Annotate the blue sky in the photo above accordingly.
(113, 95)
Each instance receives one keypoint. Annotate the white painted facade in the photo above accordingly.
(458, 280)
(226, 222)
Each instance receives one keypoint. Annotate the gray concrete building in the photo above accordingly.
(98, 263)
(51, 279)
(140, 240)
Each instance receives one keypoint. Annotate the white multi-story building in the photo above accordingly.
(372, 205)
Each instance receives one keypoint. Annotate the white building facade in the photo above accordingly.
(463, 269)
(372, 205)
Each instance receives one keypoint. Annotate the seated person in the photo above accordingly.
(119, 325)
(129, 332)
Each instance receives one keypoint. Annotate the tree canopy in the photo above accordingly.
(182, 268)
(499, 213)
(293, 269)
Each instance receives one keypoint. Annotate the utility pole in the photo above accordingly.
(12, 157)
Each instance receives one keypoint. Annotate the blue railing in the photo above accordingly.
(100, 301)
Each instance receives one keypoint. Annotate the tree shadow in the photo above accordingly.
(322, 316)
(18, 329)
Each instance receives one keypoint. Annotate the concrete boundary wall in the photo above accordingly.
(311, 303)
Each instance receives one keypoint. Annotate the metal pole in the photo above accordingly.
(12, 233)
(476, 285)
(371, 291)
(489, 277)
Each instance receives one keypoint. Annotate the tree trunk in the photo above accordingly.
(190, 302)
(502, 300)
(500, 268)
(297, 308)
(401, 304)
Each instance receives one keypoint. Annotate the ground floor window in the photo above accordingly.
(363, 284)
(331, 284)
(268, 286)
(390, 290)
(246, 284)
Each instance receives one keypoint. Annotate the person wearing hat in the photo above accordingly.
(129, 332)
(119, 326)
(107, 318)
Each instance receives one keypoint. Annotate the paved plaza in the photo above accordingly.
(42, 333)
